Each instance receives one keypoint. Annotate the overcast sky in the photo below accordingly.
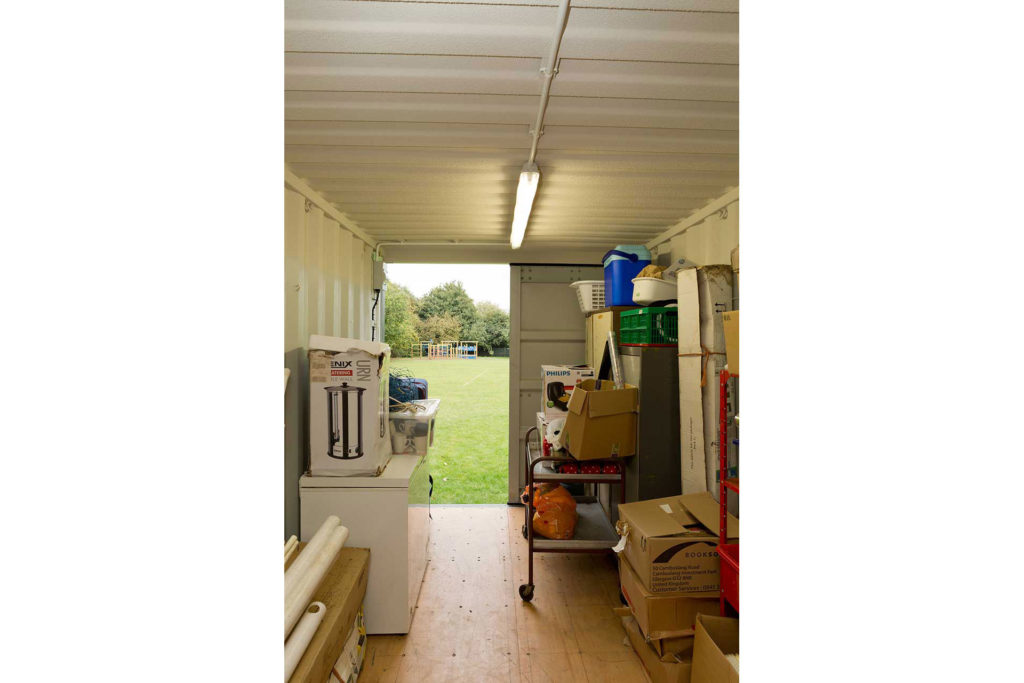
(482, 282)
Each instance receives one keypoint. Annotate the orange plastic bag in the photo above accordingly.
(554, 513)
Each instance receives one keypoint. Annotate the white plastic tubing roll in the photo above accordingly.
(304, 575)
(296, 645)
(290, 547)
(305, 558)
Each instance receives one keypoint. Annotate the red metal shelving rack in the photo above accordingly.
(729, 591)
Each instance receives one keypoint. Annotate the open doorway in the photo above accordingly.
(449, 325)
(547, 327)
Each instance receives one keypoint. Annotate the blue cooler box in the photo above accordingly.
(621, 265)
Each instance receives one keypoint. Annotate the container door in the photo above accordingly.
(546, 328)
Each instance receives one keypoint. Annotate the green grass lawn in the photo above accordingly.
(469, 458)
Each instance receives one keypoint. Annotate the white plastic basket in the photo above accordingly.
(647, 290)
(590, 294)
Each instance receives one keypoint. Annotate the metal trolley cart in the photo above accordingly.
(594, 533)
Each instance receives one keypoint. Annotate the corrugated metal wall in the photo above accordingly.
(709, 242)
(328, 290)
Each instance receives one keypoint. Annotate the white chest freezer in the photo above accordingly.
(390, 515)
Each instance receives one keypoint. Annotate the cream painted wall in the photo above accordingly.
(328, 290)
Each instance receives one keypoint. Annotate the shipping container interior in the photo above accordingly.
(407, 128)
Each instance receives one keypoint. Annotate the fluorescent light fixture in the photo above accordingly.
(525, 193)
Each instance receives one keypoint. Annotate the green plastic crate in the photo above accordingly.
(651, 325)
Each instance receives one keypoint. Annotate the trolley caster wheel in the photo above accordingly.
(525, 534)
(526, 592)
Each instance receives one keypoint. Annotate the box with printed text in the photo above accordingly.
(557, 383)
(672, 543)
(348, 407)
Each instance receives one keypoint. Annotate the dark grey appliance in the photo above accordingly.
(655, 471)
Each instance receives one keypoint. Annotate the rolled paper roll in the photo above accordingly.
(305, 558)
(296, 645)
(291, 551)
(307, 584)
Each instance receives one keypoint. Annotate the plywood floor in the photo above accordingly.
(470, 624)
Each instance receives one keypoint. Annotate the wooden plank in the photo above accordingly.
(342, 591)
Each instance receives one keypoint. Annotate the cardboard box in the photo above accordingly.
(361, 368)
(350, 661)
(668, 667)
(716, 640)
(556, 386)
(602, 421)
(671, 543)
(731, 327)
(662, 615)
(703, 294)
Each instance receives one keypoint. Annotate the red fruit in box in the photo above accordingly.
(610, 468)
(591, 469)
(569, 468)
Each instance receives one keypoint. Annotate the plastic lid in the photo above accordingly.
(640, 251)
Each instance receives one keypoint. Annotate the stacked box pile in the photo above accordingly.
(669, 576)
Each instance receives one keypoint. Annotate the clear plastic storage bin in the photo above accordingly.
(412, 430)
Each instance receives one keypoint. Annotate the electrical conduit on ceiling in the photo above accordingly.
(548, 70)
(529, 177)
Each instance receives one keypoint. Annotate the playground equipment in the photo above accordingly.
(466, 350)
(419, 349)
(441, 350)
(463, 350)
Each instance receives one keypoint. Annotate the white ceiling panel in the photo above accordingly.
(422, 107)
(411, 73)
(555, 186)
(414, 118)
(404, 134)
(595, 31)
(728, 6)
(609, 34)
(418, 28)
(641, 140)
(641, 113)
(400, 156)
(647, 80)
(617, 162)
(319, 160)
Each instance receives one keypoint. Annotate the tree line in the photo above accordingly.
(445, 313)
